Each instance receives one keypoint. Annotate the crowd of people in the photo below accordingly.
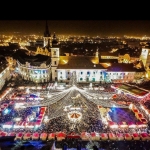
(58, 118)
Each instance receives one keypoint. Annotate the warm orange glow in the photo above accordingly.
(95, 60)
(65, 61)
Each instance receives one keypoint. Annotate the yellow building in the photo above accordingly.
(43, 51)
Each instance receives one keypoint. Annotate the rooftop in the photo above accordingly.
(122, 67)
(33, 60)
(79, 62)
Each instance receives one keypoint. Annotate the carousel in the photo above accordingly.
(74, 116)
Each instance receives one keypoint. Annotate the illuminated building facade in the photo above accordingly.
(127, 58)
(34, 68)
(87, 69)
(43, 51)
(5, 74)
(145, 57)
(121, 57)
(122, 72)
(84, 75)
(11, 61)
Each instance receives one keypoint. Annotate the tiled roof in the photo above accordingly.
(108, 54)
(108, 60)
(33, 60)
(31, 48)
(122, 67)
(79, 62)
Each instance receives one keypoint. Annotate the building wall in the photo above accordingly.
(125, 59)
(4, 76)
(54, 62)
(109, 57)
(145, 55)
(36, 74)
(139, 75)
(96, 76)
(120, 76)
(83, 75)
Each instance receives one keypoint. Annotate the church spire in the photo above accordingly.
(46, 33)
(47, 37)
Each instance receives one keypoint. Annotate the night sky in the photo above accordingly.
(78, 27)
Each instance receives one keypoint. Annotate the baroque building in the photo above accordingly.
(34, 68)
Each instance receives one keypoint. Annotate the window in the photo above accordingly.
(60, 72)
(81, 79)
(55, 70)
(55, 62)
(68, 79)
(68, 72)
(93, 72)
(81, 72)
(54, 53)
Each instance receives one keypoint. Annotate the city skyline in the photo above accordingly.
(78, 27)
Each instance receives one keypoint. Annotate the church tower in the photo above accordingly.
(47, 37)
(54, 57)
